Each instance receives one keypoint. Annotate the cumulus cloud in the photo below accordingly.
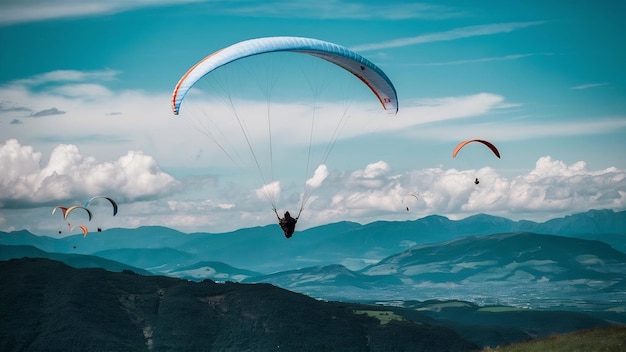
(374, 192)
(552, 188)
(69, 175)
(318, 177)
(270, 191)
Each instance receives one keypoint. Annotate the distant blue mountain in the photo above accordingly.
(520, 269)
(264, 249)
(481, 258)
(74, 260)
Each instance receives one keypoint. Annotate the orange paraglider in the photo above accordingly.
(84, 228)
(487, 143)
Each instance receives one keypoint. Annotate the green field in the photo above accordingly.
(604, 340)
(384, 316)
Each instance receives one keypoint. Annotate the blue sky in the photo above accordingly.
(85, 90)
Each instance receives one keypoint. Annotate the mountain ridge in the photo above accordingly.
(259, 248)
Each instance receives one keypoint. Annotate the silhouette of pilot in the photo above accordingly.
(288, 224)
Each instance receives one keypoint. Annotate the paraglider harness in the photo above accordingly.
(288, 224)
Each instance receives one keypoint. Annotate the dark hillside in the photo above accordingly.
(48, 306)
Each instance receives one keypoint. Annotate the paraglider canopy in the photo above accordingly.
(222, 62)
(407, 198)
(487, 143)
(67, 211)
(341, 56)
(113, 203)
(464, 143)
(83, 228)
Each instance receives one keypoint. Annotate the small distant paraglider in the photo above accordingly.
(407, 198)
(66, 211)
(82, 227)
(113, 203)
(466, 142)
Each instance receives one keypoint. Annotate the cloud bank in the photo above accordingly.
(29, 181)
(375, 192)
(552, 188)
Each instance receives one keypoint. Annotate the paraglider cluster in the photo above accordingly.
(65, 211)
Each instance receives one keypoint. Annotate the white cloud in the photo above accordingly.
(143, 120)
(375, 192)
(318, 177)
(84, 91)
(70, 176)
(335, 9)
(374, 170)
(12, 12)
(65, 76)
(223, 202)
(17, 11)
(453, 34)
(515, 130)
(589, 85)
(449, 108)
(552, 188)
(270, 191)
(480, 60)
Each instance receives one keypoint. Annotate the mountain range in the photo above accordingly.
(520, 269)
(576, 262)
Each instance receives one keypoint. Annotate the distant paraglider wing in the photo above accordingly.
(407, 197)
(487, 143)
(113, 203)
(63, 210)
(70, 209)
(359, 66)
(84, 228)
